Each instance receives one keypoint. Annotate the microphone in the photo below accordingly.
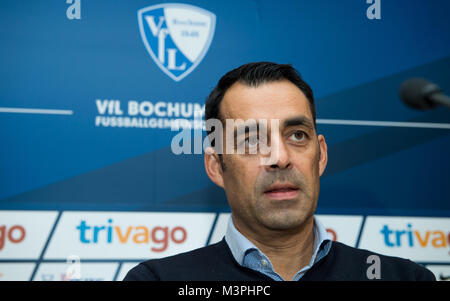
(421, 94)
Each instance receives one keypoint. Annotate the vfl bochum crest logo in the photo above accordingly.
(177, 36)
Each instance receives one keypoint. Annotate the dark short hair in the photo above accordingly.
(253, 75)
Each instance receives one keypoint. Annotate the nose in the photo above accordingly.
(279, 157)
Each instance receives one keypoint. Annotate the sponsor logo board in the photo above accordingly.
(76, 271)
(221, 228)
(124, 269)
(16, 271)
(421, 239)
(441, 272)
(23, 234)
(343, 228)
(119, 235)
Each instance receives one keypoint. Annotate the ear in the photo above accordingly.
(323, 159)
(213, 167)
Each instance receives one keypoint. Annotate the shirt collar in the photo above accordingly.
(240, 245)
(237, 242)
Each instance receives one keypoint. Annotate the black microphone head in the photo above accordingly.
(415, 93)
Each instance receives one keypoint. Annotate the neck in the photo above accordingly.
(288, 251)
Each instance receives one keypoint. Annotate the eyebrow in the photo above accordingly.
(299, 120)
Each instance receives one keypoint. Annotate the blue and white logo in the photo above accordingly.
(177, 36)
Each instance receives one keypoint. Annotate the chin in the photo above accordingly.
(284, 221)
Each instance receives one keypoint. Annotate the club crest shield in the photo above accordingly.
(177, 36)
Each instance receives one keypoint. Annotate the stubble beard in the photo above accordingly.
(282, 215)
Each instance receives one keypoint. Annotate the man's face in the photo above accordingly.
(282, 195)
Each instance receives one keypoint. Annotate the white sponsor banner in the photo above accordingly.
(128, 235)
(441, 272)
(343, 228)
(76, 271)
(422, 239)
(125, 268)
(23, 234)
(16, 271)
(221, 228)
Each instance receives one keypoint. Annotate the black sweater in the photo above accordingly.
(216, 263)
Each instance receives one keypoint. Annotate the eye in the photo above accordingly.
(298, 136)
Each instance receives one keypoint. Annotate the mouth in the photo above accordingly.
(282, 191)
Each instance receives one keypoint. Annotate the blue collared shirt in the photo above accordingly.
(248, 255)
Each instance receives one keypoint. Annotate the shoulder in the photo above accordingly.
(388, 267)
(192, 265)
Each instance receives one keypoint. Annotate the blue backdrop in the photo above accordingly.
(355, 66)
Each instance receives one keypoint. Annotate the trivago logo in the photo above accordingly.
(14, 234)
(128, 235)
(24, 233)
(409, 236)
(158, 236)
(421, 239)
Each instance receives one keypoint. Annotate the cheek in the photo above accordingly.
(240, 175)
(308, 166)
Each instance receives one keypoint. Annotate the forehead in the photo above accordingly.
(279, 99)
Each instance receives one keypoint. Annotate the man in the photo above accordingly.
(272, 233)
